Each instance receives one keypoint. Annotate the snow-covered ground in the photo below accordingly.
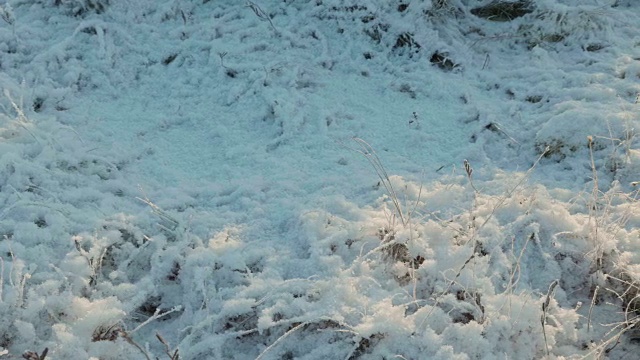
(319, 179)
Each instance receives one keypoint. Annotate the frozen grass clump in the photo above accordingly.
(584, 25)
(81, 7)
(52, 270)
(576, 122)
(502, 11)
(489, 272)
(262, 242)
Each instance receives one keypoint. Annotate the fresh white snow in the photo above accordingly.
(319, 179)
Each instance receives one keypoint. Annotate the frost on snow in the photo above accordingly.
(319, 179)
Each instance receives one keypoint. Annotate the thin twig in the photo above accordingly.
(167, 349)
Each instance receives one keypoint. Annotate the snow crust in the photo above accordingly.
(319, 179)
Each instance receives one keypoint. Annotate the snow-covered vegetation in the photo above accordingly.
(319, 179)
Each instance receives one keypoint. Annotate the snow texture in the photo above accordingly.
(319, 179)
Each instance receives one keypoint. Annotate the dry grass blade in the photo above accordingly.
(469, 170)
(545, 308)
(593, 303)
(367, 151)
(169, 223)
(279, 340)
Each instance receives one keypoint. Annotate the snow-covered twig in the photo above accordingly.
(261, 14)
(545, 308)
(156, 315)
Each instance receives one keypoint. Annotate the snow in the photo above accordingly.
(326, 179)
